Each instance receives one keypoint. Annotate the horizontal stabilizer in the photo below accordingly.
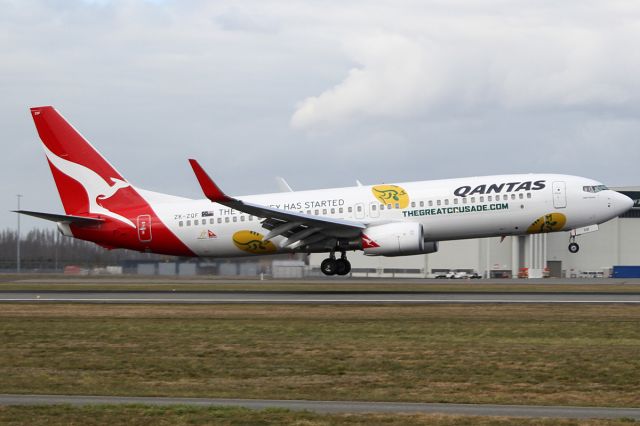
(65, 218)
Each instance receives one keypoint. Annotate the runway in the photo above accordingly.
(536, 411)
(310, 297)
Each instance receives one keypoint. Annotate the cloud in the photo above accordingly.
(389, 82)
(480, 61)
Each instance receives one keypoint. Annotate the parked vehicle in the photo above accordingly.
(458, 275)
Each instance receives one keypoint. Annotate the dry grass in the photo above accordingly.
(538, 354)
(178, 415)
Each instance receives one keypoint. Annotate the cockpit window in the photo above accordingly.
(595, 188)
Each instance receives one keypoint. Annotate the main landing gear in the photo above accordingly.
(333, 266)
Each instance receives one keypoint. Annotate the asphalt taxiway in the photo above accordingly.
(538, 411)
(313, 297)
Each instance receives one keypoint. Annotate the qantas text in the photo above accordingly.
(497, 188)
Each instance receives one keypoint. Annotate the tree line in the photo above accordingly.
(47, 249)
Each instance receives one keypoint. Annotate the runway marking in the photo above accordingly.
(534, 411)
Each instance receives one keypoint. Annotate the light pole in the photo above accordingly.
(18, 238)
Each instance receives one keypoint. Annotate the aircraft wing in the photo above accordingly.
(299, 228)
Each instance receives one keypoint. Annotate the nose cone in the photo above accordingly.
(622, 203)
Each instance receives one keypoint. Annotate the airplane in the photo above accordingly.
(399, 219)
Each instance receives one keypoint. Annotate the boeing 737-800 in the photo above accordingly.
(399, 219)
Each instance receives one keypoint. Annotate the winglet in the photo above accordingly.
(209, 187)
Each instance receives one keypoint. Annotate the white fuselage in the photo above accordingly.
(448, 209)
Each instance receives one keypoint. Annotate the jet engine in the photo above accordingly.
(396, 239)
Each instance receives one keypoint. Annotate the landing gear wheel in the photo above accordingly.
(343, 266)
(329, 266)
(574, 247)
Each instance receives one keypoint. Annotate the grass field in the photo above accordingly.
(137, 283)
(141, 415)
(507, 354)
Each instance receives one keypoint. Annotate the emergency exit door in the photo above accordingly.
(144, 228)
(559, 195)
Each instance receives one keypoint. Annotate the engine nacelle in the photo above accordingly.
(396, 239)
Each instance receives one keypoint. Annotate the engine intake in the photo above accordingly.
(396, 239)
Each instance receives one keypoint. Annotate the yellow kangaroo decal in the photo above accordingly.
(391, 194)
(252, 242)
(548, 223)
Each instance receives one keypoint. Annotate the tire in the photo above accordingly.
(574, 248)
(343, 266)
(329, 266)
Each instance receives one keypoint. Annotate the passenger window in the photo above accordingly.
(464, 200)
(513, 196)
(528, 195)
(308, 211)
(226, 219)
(317, 212)
(421, 203)
(446, 202)
(489, 198)
(333, 211)
(235, 218)
(340, 210)
(241, 218)
(188, 223)
(413, 204)
(195, 222)
(430, 203)
(359, 208)
(482, 199)
(219, 220)
(397, 206)
(180, 223)
(324, 211)
(373, 207)
(473, 199)
(455, 201)
(389, 206)
(350, 209)
(438, 202)
(381, 206)
(250, 217)
(211, 221)
(521, 196)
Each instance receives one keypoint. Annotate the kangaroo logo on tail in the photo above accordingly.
(97, 188)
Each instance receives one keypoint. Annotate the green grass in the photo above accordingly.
(508, 354)
(133, 415)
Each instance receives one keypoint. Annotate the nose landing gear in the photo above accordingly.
(573, 246)
(333, 266)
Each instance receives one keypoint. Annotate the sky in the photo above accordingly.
(320, 92)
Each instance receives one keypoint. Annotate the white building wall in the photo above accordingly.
(629, 242)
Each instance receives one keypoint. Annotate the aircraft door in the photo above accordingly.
(144, 228)
(559, 195)
(373, 210)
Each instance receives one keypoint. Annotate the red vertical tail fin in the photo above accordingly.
(86, 181)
